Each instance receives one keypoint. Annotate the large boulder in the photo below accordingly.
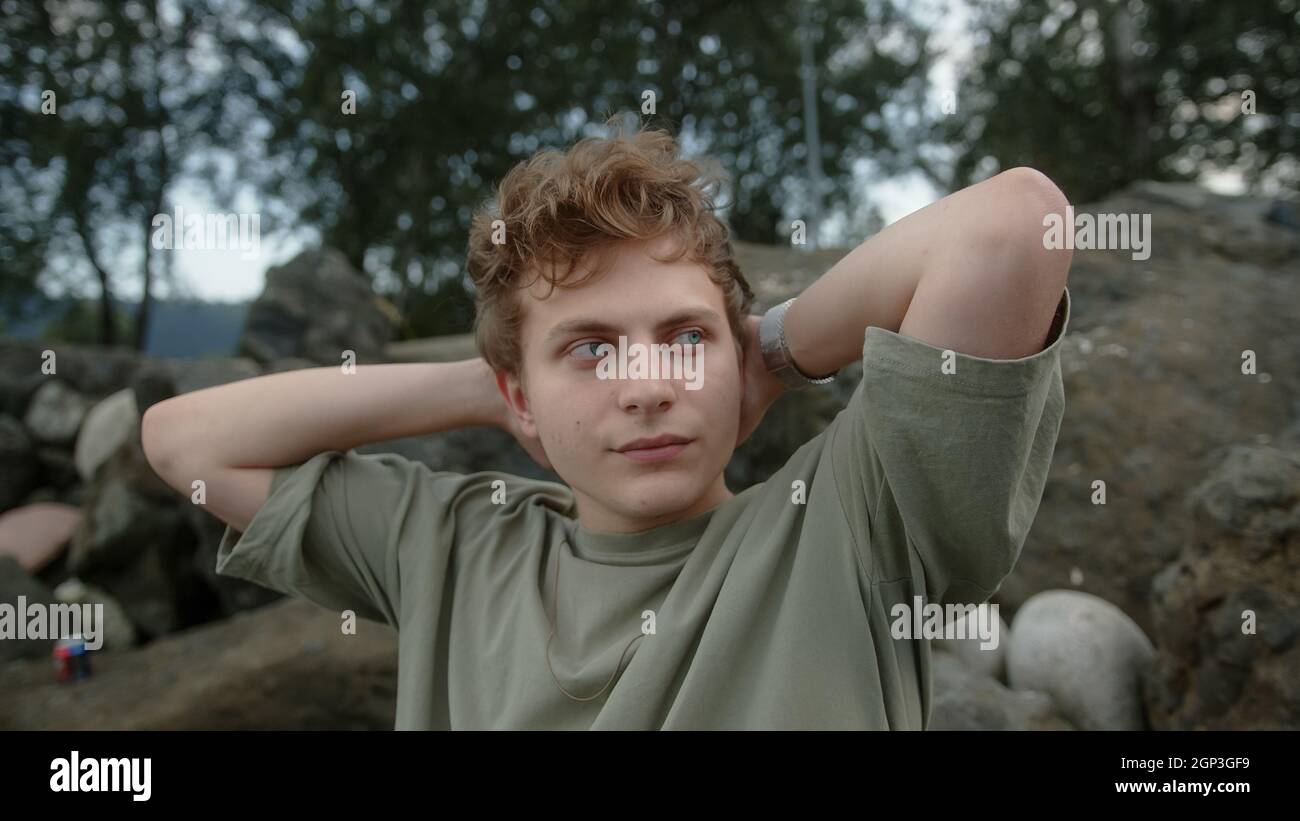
(19, 471)
(1227, 612)
(189, 377)
(56, 412)
(967, 699)
(90, 370)
(316, 306)
(986, 657)
(1086, 654)
(108, 424)
(133, 542)
(1154, 385)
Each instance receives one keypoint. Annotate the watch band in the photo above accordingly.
(776, 353)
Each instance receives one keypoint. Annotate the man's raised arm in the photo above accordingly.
(233, 436)
(967, 273)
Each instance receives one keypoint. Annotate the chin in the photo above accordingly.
(659, 495)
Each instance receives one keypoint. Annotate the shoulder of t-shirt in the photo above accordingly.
(482, 485)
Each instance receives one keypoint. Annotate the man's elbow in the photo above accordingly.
(157, 440)
(1035, 265)
(1035, 188)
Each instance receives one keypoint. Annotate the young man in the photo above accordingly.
(644, 593)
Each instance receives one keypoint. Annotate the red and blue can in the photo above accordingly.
(71, 659)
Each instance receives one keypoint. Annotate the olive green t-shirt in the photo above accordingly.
(771, 611)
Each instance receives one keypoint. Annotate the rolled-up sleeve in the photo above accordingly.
(941, 470)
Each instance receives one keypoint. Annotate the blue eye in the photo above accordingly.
(696, 331)
(590, 347)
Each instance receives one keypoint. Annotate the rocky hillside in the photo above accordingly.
(1172, 605)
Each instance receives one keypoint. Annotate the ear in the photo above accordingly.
(512, 389)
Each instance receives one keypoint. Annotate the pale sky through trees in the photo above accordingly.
(225, 275)
(217, 275)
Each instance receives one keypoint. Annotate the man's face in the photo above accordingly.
(583, 420)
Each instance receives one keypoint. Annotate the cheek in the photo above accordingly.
(562, 421)
(728, 388)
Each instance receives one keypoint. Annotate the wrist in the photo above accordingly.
(460, 394)
(778, 358)
(489, 405)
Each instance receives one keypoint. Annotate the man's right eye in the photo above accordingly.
(591, 348)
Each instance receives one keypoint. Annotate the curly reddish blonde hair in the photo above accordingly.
(559, 209)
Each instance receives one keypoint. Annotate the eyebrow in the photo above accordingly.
(584, 325)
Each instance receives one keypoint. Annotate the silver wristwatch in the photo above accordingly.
(776, 353)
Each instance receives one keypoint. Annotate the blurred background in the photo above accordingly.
(355, 137)
(237, 107)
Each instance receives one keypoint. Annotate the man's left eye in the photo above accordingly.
(696, 332)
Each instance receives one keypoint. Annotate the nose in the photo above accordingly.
(643, 394)
(646, 394)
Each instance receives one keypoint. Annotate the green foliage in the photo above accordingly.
(448, 310)
(449, 96)
(1099, 93)
(100, 105)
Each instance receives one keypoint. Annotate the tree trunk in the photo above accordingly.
(107, 324)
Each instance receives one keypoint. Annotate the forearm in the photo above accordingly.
(285, 418)
(970, 257)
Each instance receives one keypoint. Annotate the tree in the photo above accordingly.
(101, 105)
(1099, 93)
(397, 119)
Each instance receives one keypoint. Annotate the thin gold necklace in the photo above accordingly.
(555, 619)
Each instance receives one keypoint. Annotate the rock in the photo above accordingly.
(990, 661)
(151, 383)
(1184, 195)
(15, 582)
(1227, 611)
(284, 667)
(1084, 653)
(965, 699)
(92, 370)
(207, 373)
(451, 348)
(34, 535)
(17, 390)
(133, 543)
(56, 413)
(290, 364)
(58, 468)
(1250, 481)
(1250, 242)
(19, 470)
(1284, 214)
(117, 631)
(1147, 423)
(316, 306)
(108, 424)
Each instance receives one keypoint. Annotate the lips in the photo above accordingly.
(653, 442)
